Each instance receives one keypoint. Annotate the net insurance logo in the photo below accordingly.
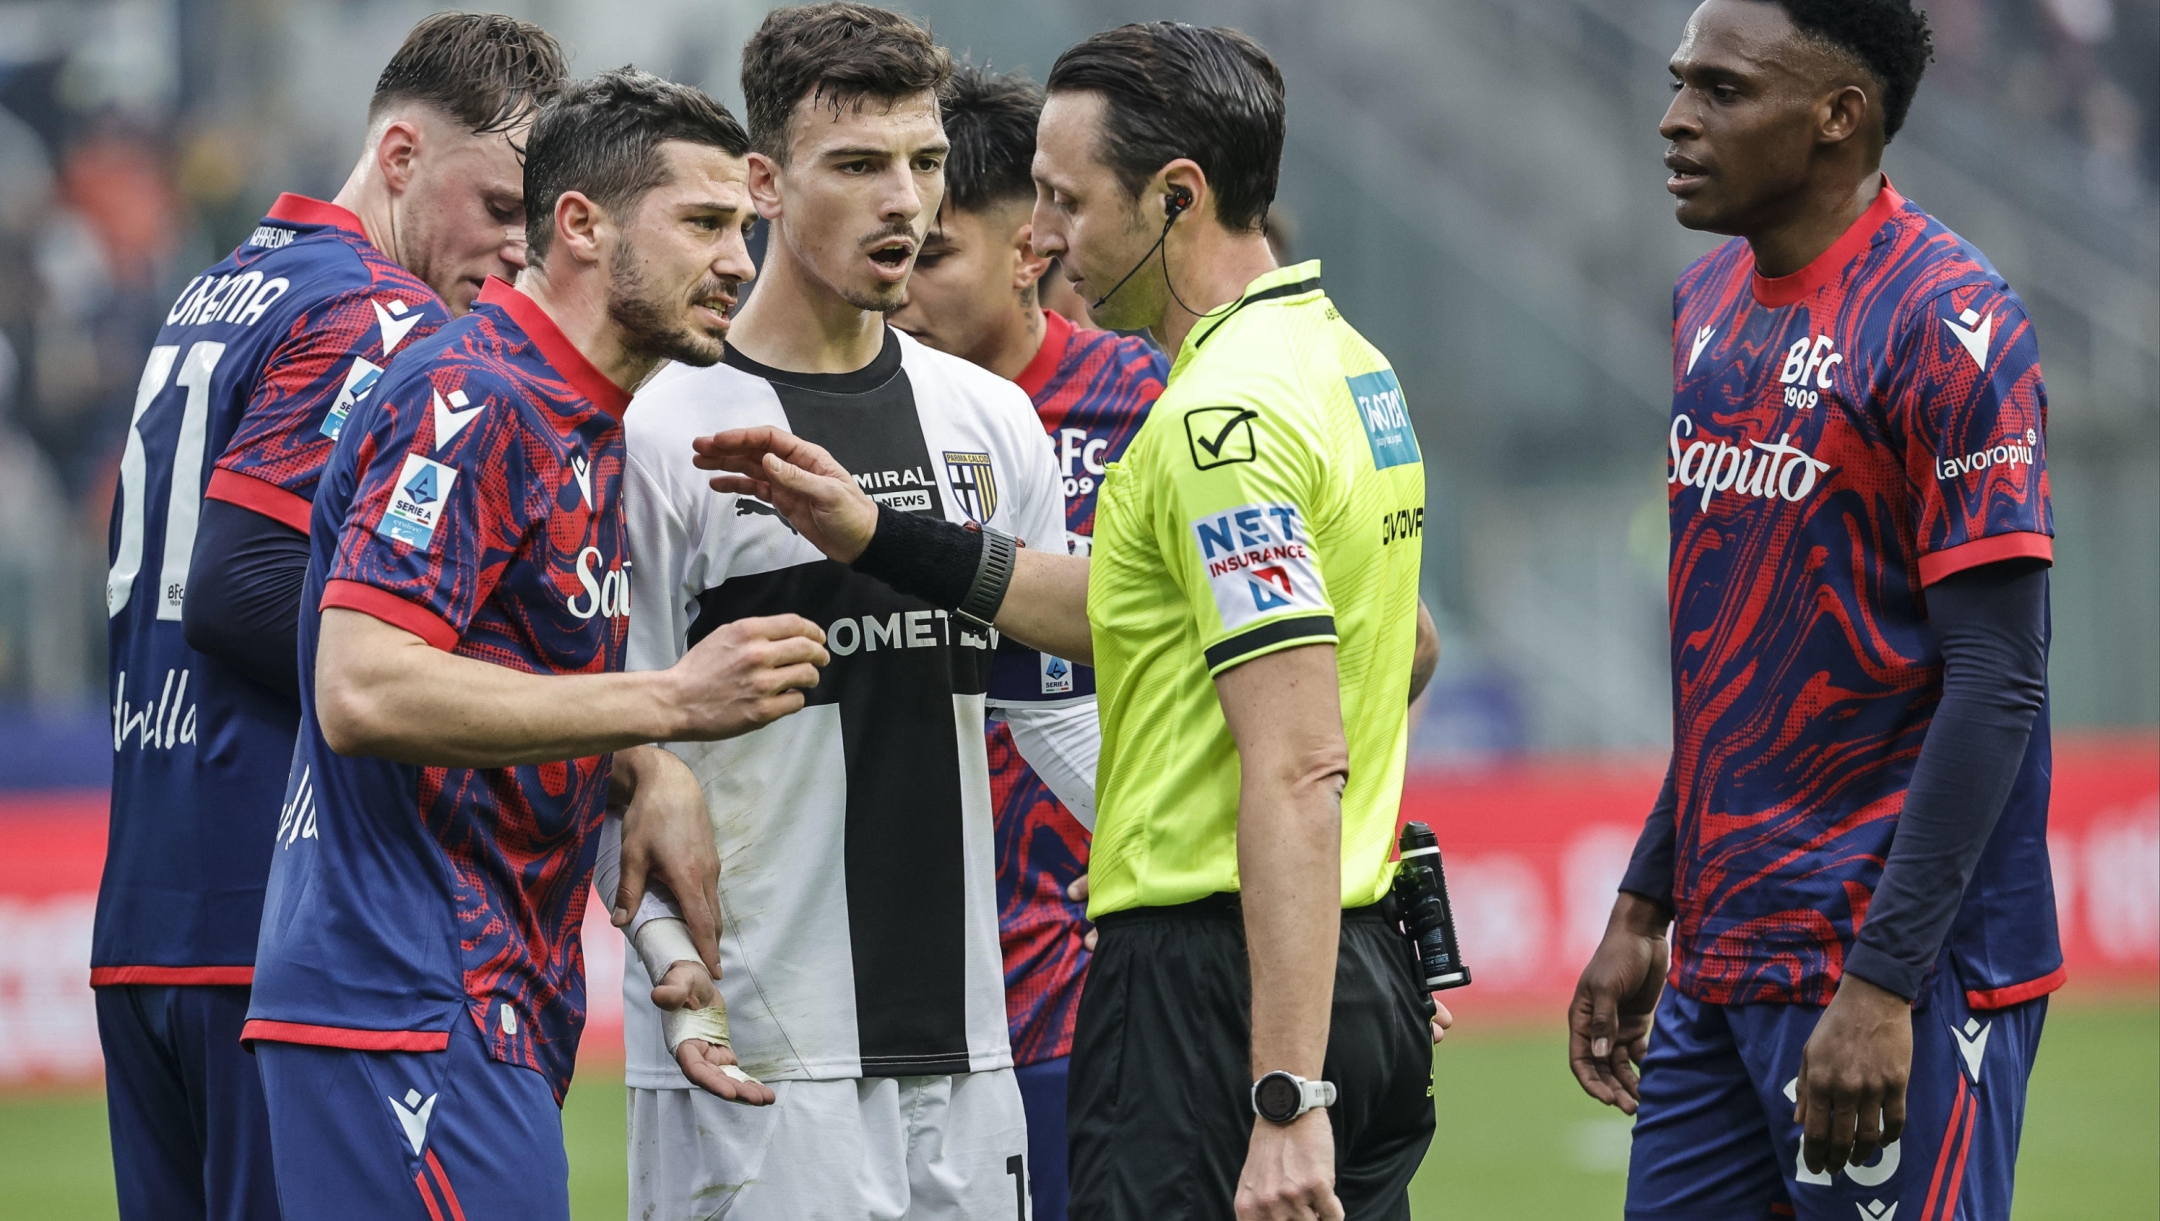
(1258, 562)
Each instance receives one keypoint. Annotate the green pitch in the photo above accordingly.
(1516, 1138)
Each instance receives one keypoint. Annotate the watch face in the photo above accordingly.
(1277, 1098)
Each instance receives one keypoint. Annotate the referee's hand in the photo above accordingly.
(1289, 1171)
(812, 491)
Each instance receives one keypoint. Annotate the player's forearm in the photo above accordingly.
(383, 691)
(1991, 623)
(1426, 657)
(1045, 607)
(1285, 715)
(1649, 876)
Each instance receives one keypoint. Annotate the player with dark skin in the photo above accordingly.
(1777, 138)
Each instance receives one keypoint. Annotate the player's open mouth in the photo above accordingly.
(893, 258)
(713, 311)
(1686, 174)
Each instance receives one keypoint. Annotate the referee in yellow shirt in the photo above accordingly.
(1251, 611)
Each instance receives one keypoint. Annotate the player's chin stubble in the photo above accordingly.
(654, 326)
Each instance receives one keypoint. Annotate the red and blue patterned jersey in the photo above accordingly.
(1841, 438)
(473, 501)
(254, 355)
(1092, 390)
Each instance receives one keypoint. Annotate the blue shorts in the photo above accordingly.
(1715, 1138)
(1042, 1096)
(190, 1139)
(413, 1136)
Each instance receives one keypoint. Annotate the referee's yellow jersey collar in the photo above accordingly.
(1292, 281)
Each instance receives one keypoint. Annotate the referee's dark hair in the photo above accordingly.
(1890, 38)
(602, 139)
(1172, 90)
(990, 121)
(839, 55)
(485, 70)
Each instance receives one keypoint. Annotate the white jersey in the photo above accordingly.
(860, 934)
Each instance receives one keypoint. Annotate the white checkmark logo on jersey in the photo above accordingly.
(397, 322)
(1702, 340)
(448, 422)
(581, 467)
(1975, 338)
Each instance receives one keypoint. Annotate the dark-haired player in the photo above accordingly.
(973, 294)
(260, 359)
(1851, 843)
(1251, 1038)
(420, 985)
(863, 978)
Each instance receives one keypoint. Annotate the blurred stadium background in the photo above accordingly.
(1481, 178)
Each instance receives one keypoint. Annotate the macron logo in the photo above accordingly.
(581, 469)
(412, 1115)
(449, 421)
(1702, 340)
(397, 322)
(1974, 338)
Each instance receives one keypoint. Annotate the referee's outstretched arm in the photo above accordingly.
(1045, 602)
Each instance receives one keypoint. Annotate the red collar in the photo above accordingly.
(1057, 334)
(300, 210)
(1784, 290)
(555, 347)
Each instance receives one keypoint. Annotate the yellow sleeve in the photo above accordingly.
(1240, 485)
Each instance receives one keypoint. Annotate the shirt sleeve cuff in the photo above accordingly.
(1884, 971)
(270, 500)
(393, 610)
(2023, 545)
(1270, 638)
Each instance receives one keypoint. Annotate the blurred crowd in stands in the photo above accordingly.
(118, 180)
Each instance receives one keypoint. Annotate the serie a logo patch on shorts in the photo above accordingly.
(416, 502)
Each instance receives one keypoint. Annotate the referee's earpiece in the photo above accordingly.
(1176, 202)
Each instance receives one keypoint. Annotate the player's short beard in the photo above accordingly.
(883, 298)
(653, 325)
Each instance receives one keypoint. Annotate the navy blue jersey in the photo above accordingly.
(1841, 438)
(473, 501)
(255, 356)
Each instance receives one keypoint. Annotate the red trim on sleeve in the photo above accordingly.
(2018, 994)
(259, 1030)
(555, 347)
(270, 500)
(208, 977)
(2024, 545)
(391, 609)
(301, 210)
(1774, 291)
(1057, 334)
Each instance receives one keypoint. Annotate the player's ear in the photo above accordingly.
(396, 151)
(764, 185)
(1028, 266)
(578, 221)
(1843, 115)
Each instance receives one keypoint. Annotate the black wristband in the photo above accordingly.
(960, 569)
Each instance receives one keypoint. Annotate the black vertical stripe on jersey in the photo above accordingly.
(904, 855)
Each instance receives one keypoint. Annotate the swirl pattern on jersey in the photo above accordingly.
(476, 503)
(1092, 390)
(1840, 438)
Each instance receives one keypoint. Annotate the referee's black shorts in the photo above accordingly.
(1160, 1111)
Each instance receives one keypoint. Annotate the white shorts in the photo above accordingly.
(876, 1149)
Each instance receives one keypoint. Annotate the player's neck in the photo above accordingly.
(1210, 272)
(579, 310)
(1818, 217)
(367, 197)
(796, 322)
(1011, 348)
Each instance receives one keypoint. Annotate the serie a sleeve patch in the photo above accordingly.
(416, 503)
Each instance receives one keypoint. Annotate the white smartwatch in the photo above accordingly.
(1281, 1097)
